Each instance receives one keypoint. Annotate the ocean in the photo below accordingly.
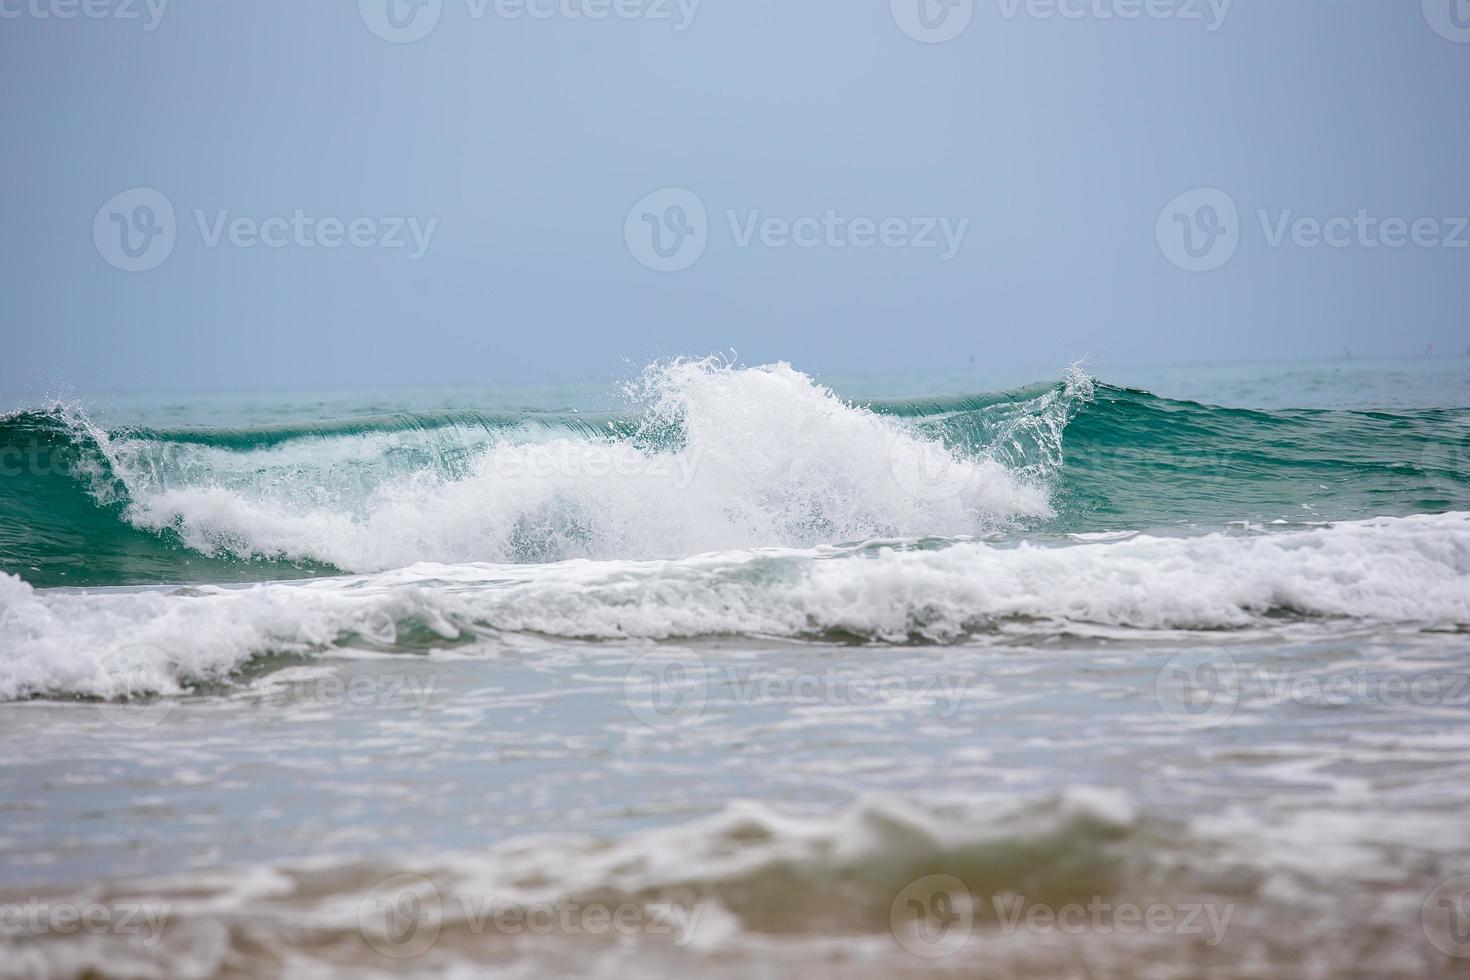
(729, 670)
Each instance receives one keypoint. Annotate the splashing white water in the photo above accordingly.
(767, 457)
(1408, 570)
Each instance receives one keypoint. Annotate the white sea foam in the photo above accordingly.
(766, 457)
(717, 882)
(755, 887)
(1411, 570)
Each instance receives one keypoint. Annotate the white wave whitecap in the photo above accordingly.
(1408, 570)
(764, 457)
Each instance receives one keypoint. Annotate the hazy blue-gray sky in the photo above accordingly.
(1060, 129)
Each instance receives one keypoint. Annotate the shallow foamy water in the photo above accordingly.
(765, 804)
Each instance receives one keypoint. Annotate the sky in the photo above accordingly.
(276, 193)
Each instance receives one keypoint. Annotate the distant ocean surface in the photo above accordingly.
(731, 671)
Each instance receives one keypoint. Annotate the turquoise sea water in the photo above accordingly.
(1366, 440)
(833, 671)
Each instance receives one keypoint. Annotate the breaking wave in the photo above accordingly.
(713, 458)
(120, 642)
(709, 457)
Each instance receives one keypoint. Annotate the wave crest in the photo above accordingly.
(1405, 570)
(717, 457)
